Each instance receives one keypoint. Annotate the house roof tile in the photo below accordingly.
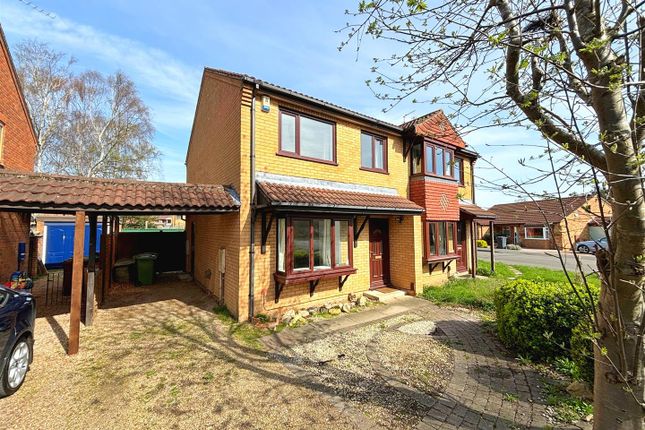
(43, 192)
(437, 126)
(534, 213)
(314, 198)
(475, 211)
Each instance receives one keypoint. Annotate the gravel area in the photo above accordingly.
(351, 364)
(160, 360)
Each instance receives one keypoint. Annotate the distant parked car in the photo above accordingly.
(17, 318)
(591, 246)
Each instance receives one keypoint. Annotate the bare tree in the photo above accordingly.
(107, 130)
(575, 72)
(87, 124)
(45, 76)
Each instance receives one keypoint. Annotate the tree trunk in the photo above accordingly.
(619, 381)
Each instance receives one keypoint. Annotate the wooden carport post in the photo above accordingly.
(91, 270)
(77, 284)
(492, 247)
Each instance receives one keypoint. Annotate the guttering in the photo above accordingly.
(321, 103)
(353, 210)
(252, 203)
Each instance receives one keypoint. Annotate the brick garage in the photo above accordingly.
(17, 152)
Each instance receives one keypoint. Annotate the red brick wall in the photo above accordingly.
(19, 142)
(18, 153)
(429, 194)
(14, 228)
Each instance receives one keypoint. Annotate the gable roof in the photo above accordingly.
(437, 126)
(14, 75)
(58, 193)
(534, 213)
(303, 97)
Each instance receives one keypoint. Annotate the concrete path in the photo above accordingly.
(539, 258)
(488, 388)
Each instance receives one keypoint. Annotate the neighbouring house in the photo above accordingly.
(543, 224)
(17, 153)
(332, 201)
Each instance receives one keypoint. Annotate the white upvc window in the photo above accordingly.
(536, 233)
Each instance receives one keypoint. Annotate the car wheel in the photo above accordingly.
(16, 367)
(584, 248)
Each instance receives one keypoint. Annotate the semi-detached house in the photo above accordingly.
(332, 201)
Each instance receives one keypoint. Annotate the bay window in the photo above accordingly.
(313, 245)
(436, 160)
(459, 170)
(373, 152)
(440, 239)
(302, 136)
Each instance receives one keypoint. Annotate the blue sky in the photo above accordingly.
(164, 46)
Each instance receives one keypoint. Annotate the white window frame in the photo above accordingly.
(545, 234)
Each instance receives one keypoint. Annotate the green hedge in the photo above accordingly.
(482, 244)
(537, 319)
(582, 349)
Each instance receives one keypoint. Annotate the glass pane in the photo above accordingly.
(322, 244)
(451, 238)
(457, 169)
(442, 238)
(417, 159)
(342, 243)
(429, 159)
(366, 150)
(379, 147)
(449, 163)
(281, 244)
(439, 161)
(432, 239)
(287, 133)
(300, 245)
(316, 139)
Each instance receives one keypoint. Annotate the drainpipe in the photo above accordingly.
(252, 202)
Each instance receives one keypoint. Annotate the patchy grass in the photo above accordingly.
(475, 293)
(566, 407)
(479, 293)
(244, 332)
(539, 273)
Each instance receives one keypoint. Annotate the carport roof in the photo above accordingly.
(57, 193)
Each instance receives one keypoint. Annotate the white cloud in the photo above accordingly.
(174, 84)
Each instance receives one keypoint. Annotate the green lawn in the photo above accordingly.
(479, 293)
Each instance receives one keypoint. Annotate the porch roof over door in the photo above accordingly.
(325, 196)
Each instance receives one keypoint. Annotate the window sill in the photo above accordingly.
(306, 276)
(440, 258)
(369, 169)
(536, 238)
(299, 157)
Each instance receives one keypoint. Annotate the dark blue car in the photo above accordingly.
(17, 318)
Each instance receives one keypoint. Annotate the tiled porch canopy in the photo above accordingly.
(475, 211)
(56, 193)
(283, 196)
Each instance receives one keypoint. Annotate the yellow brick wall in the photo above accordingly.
(348, 150)
(219, 153)
(214, 157)
(466, 191)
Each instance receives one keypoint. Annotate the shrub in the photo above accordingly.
(536, 319)
(582, 350)
(482, 244)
